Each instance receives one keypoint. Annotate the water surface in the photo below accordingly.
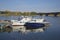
(51, 33)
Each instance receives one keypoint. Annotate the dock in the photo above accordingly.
(4, 24)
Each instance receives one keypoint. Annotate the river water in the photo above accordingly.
(51, 33)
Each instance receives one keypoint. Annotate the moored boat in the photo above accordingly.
(20, 22)
(36, 23)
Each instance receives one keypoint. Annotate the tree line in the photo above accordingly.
(9, 13)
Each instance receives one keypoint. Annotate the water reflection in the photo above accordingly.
(6, 29)
(21, 29)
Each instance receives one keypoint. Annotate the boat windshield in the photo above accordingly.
(20, 18)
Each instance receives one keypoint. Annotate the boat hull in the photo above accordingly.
(34, 25)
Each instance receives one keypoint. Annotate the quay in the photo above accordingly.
(4, 24)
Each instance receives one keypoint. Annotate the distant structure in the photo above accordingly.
(9, 13)
(50, 14)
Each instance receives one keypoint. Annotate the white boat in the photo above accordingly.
(20, 22)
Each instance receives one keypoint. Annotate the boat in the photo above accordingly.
(20, 22)
(36, 23)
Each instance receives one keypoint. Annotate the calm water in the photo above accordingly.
(51, 33)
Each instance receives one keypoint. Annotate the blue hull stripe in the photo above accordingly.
(34, 25)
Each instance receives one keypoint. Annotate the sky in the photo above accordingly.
(30, 5)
